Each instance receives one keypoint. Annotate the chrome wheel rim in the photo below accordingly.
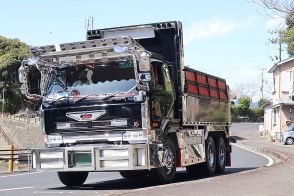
(211, 156)
(167, 160)
(222, 155)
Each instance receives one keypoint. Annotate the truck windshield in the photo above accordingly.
(115, 76)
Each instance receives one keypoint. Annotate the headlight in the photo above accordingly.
(135, 136)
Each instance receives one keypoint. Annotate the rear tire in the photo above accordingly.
(73, 178)
(167, 172)
(220, 156)
(134, 174)
(209, 166)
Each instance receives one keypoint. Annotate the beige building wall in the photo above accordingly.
(267, 126)
(279, 116)
(276, 122)
(281, 77)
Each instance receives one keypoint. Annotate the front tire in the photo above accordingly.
(167, 172)
(73, 178)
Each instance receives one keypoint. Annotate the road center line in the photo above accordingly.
(270, 160)
(19, 188)
(21, 174)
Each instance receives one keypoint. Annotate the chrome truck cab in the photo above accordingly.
(124, 101)
(105, 118)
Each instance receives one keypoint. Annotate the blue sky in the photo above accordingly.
(225, 38)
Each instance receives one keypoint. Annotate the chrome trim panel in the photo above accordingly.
(100, 161)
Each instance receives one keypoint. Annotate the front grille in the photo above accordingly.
(57, 121)
(90, 124)
(102, 123)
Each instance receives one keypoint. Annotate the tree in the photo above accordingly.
(276, 7)
(284, 9)
(262, 103)
(12, 52)
(287, 35)
(243, 106)
(244, 90)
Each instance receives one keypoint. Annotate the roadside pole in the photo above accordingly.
(28, 144)
(10, 161)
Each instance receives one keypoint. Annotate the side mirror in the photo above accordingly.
(20, 74)
(144, 62)
(34, 78)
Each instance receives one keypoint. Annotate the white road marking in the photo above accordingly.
(270, 160)
(13, 175)
(52, 192)
(19, 188)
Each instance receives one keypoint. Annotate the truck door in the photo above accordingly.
(162, 93)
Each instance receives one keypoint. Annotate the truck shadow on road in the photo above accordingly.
(124, 184)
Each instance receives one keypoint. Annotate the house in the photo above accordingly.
(280, 113)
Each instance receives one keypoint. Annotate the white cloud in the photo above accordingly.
(275, 23)
(215, 27)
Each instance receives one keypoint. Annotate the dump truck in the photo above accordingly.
(122, 100)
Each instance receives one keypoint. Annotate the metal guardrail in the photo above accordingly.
(11, 155)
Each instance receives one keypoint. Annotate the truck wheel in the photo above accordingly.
(166, 173)
(221, 156)
(134, 174)
(210, 156)
(208, 167)
(72, 178)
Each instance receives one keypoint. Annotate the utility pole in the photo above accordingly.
(280, 51)
(3, 99)
(262, 82)
(277, 40)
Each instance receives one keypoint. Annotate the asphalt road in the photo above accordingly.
(105, 183)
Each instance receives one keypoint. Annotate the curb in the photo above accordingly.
(273, 153)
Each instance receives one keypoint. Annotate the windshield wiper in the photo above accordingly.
(112, 95)
(55, 100)
(86, 97)
(82, 98)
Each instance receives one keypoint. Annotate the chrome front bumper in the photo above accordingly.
(92, 158)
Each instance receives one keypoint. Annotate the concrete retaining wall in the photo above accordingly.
(23, 134)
